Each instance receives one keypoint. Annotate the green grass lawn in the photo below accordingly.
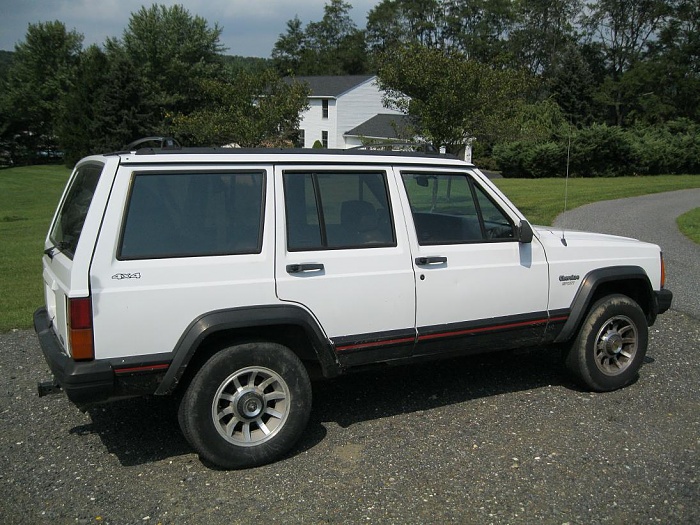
(689, 224)
(541, 200)
(28, 199)
(29, 195)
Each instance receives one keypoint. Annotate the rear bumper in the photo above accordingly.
(84, 382)
(664, 298)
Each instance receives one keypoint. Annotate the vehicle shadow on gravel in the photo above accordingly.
(424, 386)
(137, 431)
(145, 430)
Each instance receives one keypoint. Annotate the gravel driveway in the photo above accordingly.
(497, 439)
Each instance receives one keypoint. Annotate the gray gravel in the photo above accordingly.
(503, 438)
(496, 439)
(651, 218)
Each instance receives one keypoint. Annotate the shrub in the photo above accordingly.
(605, 151)
(509, 157)
(673, 148)
(602, 151)
(547, 160)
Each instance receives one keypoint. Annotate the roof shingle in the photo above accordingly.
(331, 86)
(385, 126)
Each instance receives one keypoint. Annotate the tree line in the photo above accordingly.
(619, 80)
(520, 79)
(166, 75)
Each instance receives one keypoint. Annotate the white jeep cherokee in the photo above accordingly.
(228, 277)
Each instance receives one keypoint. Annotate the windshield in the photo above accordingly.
(71, 216)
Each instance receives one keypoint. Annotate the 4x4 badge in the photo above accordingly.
(120, 276)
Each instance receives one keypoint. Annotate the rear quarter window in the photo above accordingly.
(193, 215)
(70, 219)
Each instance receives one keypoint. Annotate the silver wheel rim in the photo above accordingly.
(251, 406)
(616, 345)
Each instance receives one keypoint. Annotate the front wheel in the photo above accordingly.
(247, 405)
(610, 346)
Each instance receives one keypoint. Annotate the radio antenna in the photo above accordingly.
(566, 188)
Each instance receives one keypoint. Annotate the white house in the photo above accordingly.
(344, 110)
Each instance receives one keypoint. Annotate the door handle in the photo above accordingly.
(304, 267)
(425, 261)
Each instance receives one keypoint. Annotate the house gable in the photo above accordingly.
(339, 104)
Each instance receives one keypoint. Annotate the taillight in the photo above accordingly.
(663, 271)
(80, 328)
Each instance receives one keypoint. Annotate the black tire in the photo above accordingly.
(610, 346)
(247, 405)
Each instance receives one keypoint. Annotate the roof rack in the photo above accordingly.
(289, 151)
(163, 143)
(424, 147)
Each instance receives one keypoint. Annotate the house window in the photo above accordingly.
(325, 107)
(324, 139)
(301, 139)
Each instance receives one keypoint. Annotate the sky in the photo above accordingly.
(250, 27)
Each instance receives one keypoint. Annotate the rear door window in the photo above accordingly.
(327, 210)
(66, 231)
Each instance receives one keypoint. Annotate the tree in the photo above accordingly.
(479, 28)
(235, 63)
(253, 109)
(475, 28)
(173, 51)
(38, 79)
(453, 99)
(623, 28)
(107, 107)
(5, 63)
(676, 62)
(288, 52)
(542, 30)
(394, 23)
(331, 46)
(570, 83)
(79, 123)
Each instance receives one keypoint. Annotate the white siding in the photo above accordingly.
(313, 123)
(348, 111)
(352, 142)
(357, 106)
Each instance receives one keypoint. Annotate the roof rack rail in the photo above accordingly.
(163, 143)
(424, 147)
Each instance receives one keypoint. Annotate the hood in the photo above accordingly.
(548, 233)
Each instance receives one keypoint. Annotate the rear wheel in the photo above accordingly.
(611, 344)
(247, 405)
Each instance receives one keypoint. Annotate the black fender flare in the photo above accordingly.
(246, 317)
(590, 283)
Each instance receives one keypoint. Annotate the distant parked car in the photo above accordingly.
(49, 154)
(6, 159)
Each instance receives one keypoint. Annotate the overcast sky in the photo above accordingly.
(250, 27)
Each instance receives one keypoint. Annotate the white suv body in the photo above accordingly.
(228, 276)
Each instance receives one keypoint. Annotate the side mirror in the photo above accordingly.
(525, 232)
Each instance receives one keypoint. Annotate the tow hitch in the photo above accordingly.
(48, 387)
